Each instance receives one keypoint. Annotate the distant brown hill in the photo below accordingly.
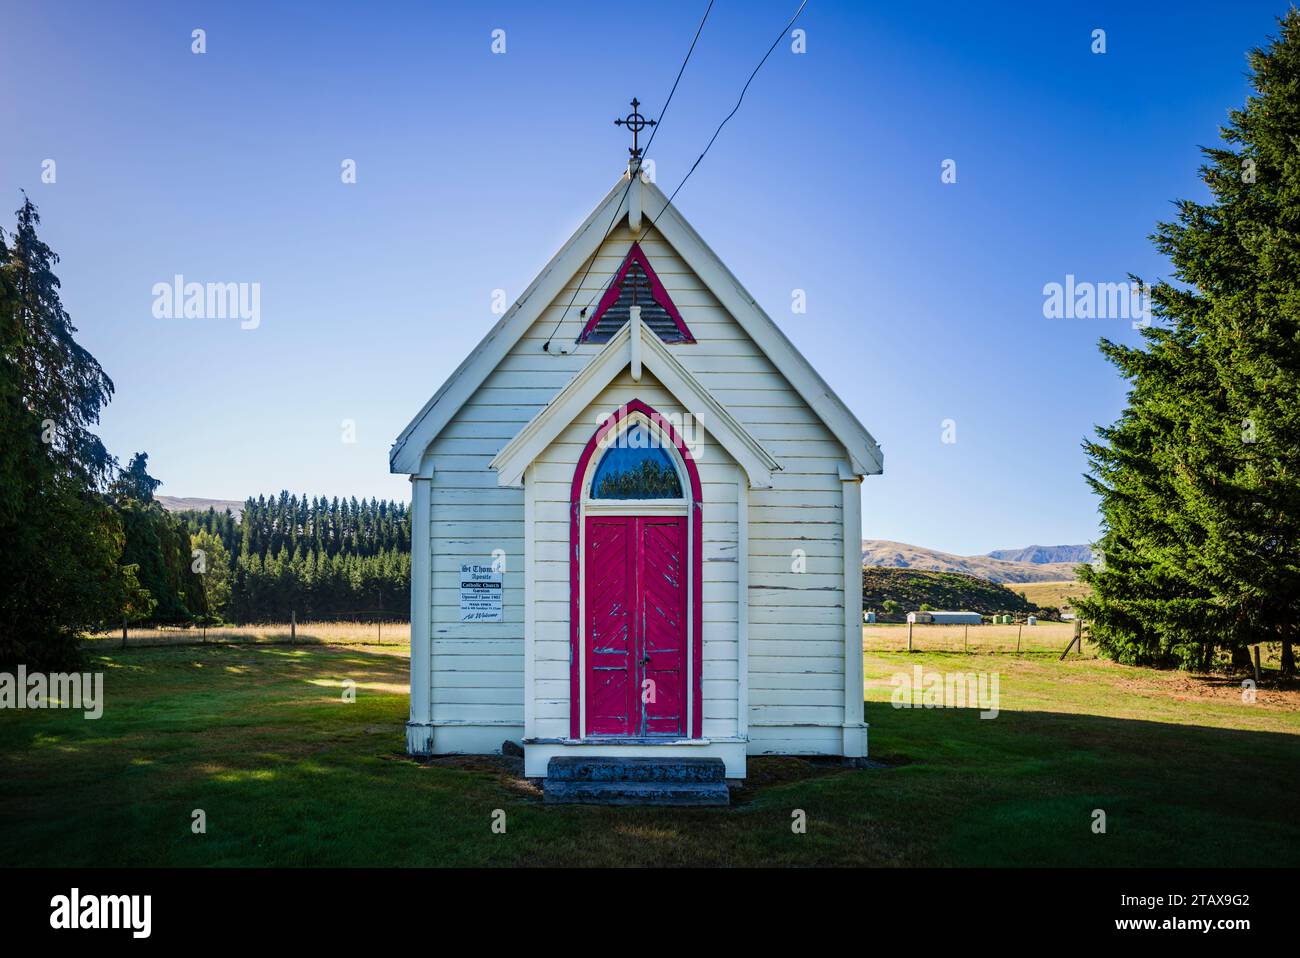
(1054, 595)
(915, 589)
(901, 555)
(179, 504)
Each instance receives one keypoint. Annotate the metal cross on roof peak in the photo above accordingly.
(635, 122)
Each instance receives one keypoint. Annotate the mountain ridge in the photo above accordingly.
(195, 503)
(903, 555)
(1042, 554)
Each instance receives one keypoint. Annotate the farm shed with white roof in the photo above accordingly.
(946, 618)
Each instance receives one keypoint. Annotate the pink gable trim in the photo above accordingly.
(637, 255)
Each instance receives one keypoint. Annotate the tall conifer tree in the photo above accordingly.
(59, 540)
(1199, 480)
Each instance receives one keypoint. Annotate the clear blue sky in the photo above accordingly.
(924, 299)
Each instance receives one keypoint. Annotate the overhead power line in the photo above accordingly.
(546, 346)
(780, 36)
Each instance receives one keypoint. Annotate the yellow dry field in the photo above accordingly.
(1043, 637)
(395, 634)
(1052, 595)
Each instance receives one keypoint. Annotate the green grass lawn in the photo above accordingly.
(288, 774)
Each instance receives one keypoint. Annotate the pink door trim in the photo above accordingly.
(636, 624)
(695, 516)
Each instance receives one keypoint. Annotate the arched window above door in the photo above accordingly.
(636, 466)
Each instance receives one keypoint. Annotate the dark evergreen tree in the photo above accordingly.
(313, 556)
(134, 482)
(59, 540)
(1199, 480)
(157, 545)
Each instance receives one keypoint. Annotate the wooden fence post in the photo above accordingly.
(909, 636)
(1256, 666)
(1073, 639)
(293, 626)
(124, 632)
(1020, 628)
(965, 638)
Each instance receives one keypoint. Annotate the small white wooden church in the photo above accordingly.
(636, 521)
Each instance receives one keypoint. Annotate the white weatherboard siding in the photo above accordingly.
(793, 623)
(796, 619)
(476, 672)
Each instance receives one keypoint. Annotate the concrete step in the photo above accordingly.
(635, 793)
(609, 780)
(667, 770)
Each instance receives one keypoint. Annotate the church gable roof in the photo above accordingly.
(639, 198)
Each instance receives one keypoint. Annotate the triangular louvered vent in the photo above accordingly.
(636, 283)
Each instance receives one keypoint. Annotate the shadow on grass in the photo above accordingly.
(1024, 788)
(286, 773)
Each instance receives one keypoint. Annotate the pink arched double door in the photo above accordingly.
(635, 596)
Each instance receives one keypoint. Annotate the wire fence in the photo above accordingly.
(374, 628)
(1044, 637)
(345, 628)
